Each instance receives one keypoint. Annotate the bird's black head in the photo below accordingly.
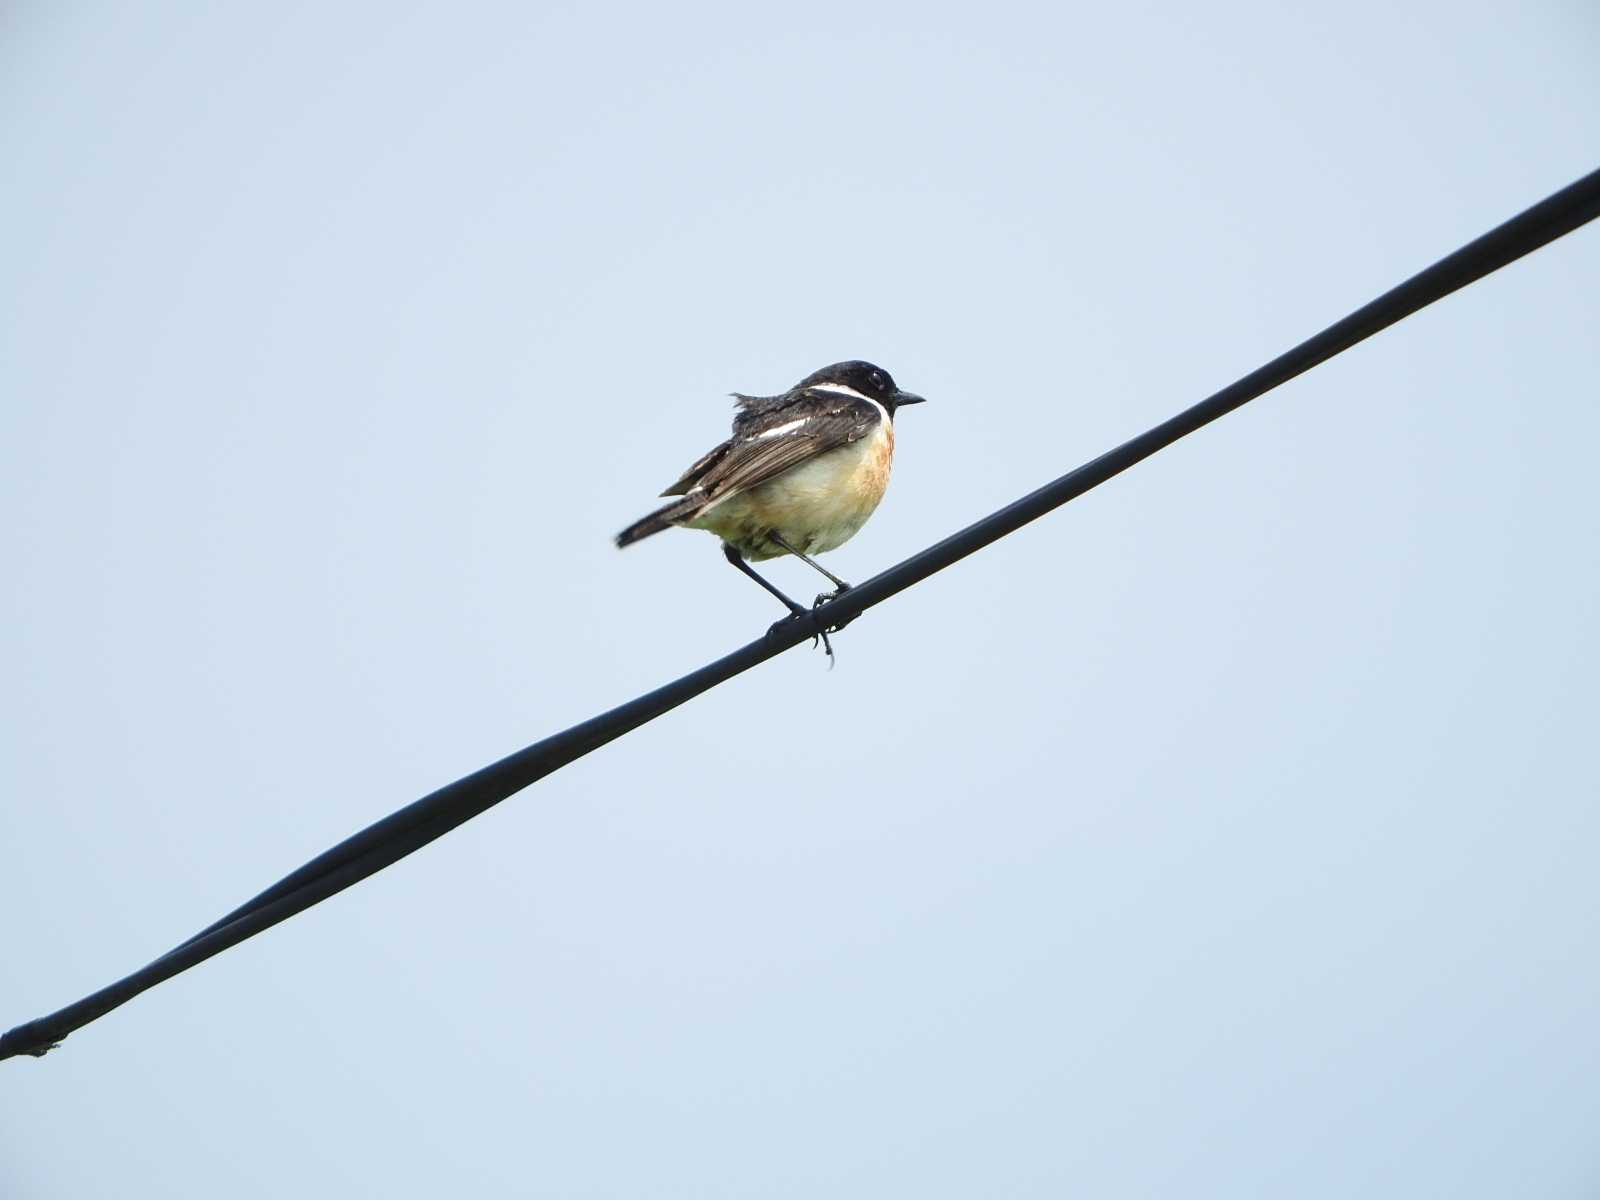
(859, 378)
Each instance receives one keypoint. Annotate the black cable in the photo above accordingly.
(419, 823)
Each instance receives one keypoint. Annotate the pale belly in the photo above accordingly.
(815, 507)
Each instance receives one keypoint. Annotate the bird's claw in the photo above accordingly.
(828, 597)
(820, 635)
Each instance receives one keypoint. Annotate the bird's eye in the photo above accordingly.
(879, 380)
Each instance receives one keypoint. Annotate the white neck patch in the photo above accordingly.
(842, 389)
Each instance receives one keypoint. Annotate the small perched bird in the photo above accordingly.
(801, 474)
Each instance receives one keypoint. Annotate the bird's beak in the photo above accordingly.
(901, 397)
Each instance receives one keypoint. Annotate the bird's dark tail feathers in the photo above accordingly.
(662, 518)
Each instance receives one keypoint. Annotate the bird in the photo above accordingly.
(801, 474)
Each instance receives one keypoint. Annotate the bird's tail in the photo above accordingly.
(663, 518)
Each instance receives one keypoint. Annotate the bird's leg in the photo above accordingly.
(840, 586)
(775, 536)
(730, 553)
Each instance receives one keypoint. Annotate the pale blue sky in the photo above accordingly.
(1231, 832)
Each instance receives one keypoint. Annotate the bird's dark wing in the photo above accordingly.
(692, 476)
(777, 441)
(755, 414)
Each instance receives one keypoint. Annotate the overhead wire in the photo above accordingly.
(408, 829)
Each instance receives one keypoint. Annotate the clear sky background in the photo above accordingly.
(1231, 832)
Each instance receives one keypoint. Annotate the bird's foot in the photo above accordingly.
(795, 612)
(828, 597)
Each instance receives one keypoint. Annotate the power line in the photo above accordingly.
(419, 823)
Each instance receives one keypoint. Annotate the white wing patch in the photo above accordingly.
(780, 430)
